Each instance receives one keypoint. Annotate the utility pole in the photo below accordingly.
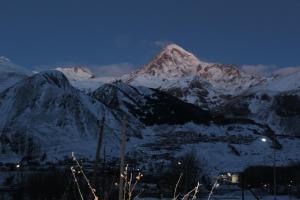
(274, 172)
(122, 157)
(98, 149)
(243, 185)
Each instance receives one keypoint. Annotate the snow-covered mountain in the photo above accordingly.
(173, 105)
(83, 79)
(150, 106)
(173, 127)
(76, 73)
(275, 102)
(11, 73)
(222, 88)
(45, 115)
(175, 63)
(282, 83)
(279, 109)
(184, 75)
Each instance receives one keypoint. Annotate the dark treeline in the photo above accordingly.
(287, 178)
(59, 184)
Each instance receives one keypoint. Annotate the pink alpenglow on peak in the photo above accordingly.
(174, 65)
(75, 73)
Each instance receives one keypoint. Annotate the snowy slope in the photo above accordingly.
(10, 73)
(283, 83)
(83, 79)
(275, 102)
(279, 109)
(6, 66)
(232, 147)
(76, 73)
(149, 106)
(44, 114)
(223, 144)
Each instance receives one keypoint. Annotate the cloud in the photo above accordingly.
(112, 70)
(162, 43)
(263, 70)
(286, 71)
(269, 70)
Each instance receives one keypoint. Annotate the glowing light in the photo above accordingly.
(18, 166)
(179, 163)
(263, 139)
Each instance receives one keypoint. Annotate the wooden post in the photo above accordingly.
(98, 149)
(243, 186)
(122, 157)
(274, 174)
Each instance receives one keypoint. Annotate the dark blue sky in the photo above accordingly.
(44, 33)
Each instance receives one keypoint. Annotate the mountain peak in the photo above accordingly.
(54, 77)
(76, 72)
(176, 50)
(7, 66)
(176, 66)
(173, 61)
(174, 46)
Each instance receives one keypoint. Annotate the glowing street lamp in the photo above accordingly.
(263, 139)
(274, 167)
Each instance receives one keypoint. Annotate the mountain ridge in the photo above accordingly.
(11, 73)
(173, 63)
(183, 112)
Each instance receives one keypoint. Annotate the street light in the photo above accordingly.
(263, 139)
(274, 167)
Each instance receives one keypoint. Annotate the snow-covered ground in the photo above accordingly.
(215, 155)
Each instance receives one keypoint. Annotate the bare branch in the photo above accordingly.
(175, 191)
